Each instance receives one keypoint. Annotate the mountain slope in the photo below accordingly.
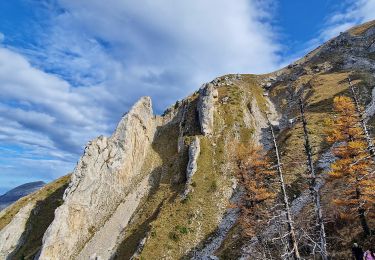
(19, 192)
(166, 187)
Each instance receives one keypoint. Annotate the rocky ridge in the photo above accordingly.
(107, 172)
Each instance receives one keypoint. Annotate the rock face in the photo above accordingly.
(19, 192)
(11, 235)
(194, 150)
(370, 109)
(108, 170)
(207, 96)
(103, 243)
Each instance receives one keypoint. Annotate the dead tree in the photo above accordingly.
(289, 220)
(313, 178)
(370, 144)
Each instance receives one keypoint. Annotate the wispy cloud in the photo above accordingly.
(44, 119)
(349, 14)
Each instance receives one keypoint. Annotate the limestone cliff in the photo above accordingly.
(107, 172)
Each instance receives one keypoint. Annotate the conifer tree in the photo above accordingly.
(255, 176)
(354, 166)
(362, 119)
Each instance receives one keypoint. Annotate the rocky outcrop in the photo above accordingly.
(109, 169)
(256, 119)
(370, 109)
(207, 95)
(180, 141)
(194, 150)
(11, 234)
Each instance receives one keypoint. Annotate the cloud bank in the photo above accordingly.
(93, 60)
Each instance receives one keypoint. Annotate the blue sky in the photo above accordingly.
(69, 69)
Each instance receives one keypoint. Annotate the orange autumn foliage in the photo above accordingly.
(256, 178)
(354, 166)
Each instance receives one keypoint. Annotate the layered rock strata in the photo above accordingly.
(107, 172)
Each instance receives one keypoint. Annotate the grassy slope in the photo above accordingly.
(182, 225)
(173, 226)
(41, 217)
(320, 89)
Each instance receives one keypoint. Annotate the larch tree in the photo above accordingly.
(354, 166)
(256, 177)
(362, 120)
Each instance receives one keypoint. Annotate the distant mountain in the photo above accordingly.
(19, 192)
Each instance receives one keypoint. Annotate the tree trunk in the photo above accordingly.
(370, 144)
(362, 216)
(314, 192)
(371, 149)
(289, 220)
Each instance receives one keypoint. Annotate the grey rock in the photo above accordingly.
(194, 151)
(11, 234)
(206, 107)
(108, 170)
(370, 109)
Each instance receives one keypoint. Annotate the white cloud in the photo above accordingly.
(165, 49)
(95, 59)
(45, 120)
(353, 13)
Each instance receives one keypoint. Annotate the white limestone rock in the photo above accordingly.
(206, 107)
(11, 234)
(105, 241)
(370, 109)
(106, 173)
(194, 151)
